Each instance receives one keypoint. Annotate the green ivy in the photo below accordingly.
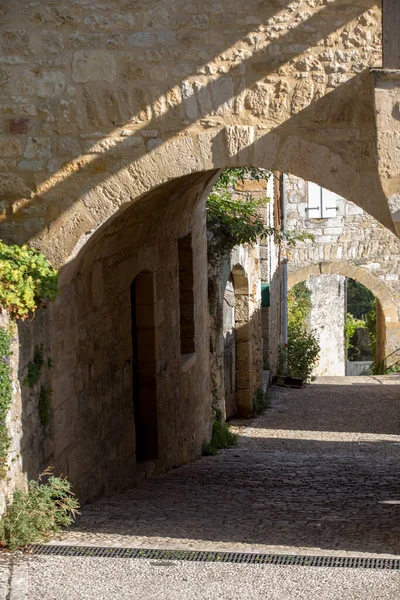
(27, 280)
(5, 397)
(234, 222)
(44, 406)
(35, 367)
(261, 401)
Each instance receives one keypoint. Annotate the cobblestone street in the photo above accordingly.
(317, 473)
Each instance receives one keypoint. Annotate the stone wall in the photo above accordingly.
(114, 118)
(92, 381)
(352, 244)
(243, 266)
(103, 102)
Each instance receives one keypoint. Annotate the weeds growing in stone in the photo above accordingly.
(39, 512)
(261, 401)
(222, 437)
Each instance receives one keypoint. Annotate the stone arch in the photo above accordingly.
(388, 326)
(243, 340)
(96, 201)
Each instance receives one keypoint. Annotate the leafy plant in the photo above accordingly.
(222, 436)
(27, 280)
(35, 367)
(5, 396)
(303, 348)
(233, 222)
(360, 300)
(350, 327)
(301, 353)
(44, 406)
(38, 513)
(261, 401)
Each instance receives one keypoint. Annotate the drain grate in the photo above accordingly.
(223, 557)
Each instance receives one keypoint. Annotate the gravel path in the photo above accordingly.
(58, 578)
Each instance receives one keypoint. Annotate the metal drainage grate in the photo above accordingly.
(223, 557)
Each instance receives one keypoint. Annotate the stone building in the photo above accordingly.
(115, 119)
(347, 243)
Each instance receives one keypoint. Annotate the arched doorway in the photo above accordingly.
(144, 367)
(387, 320)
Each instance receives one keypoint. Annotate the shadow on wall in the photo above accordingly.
(87, 176)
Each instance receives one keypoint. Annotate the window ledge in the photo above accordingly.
(187, 361)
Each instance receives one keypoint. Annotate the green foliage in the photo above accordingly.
(27, 280)
(44, 406)
(301, 353)
(299, 304)
(360, 300)
(235, 222)
(35, 367)
(261, 401)
(40, 512)
(350, 327)
(370, 324)
(303, 349)
(222, 437)
(5, 397)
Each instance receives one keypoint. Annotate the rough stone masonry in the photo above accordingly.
(115, 118)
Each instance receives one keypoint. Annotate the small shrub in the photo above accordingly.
(35, 367)
(38, 513)
(222, 437)
(261, 401)
(27, 280)
(44, 406)
(301, 354)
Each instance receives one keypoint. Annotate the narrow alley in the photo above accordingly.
(316, 474)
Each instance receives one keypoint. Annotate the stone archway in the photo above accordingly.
(388, 327)
(243, 341)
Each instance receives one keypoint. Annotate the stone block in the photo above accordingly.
(38, 147)
(16, 41)
(93, 65)
(44, 84)
(18, 126)
(52, 41)
(10, 147)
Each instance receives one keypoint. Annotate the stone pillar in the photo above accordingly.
(328, 318)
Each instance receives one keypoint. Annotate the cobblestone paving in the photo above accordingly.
(318, 472)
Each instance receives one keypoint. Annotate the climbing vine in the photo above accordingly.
(35, 370)
(233, 222)
(27, 281)
(5, 396)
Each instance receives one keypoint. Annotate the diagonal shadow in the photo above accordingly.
(78, 176)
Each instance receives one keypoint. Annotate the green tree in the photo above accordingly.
(359, 299)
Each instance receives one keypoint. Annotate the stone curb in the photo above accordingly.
(18, 583)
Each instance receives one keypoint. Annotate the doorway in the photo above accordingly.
(144, 367)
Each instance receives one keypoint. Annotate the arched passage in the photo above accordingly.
(388, 327)
(237, 344)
